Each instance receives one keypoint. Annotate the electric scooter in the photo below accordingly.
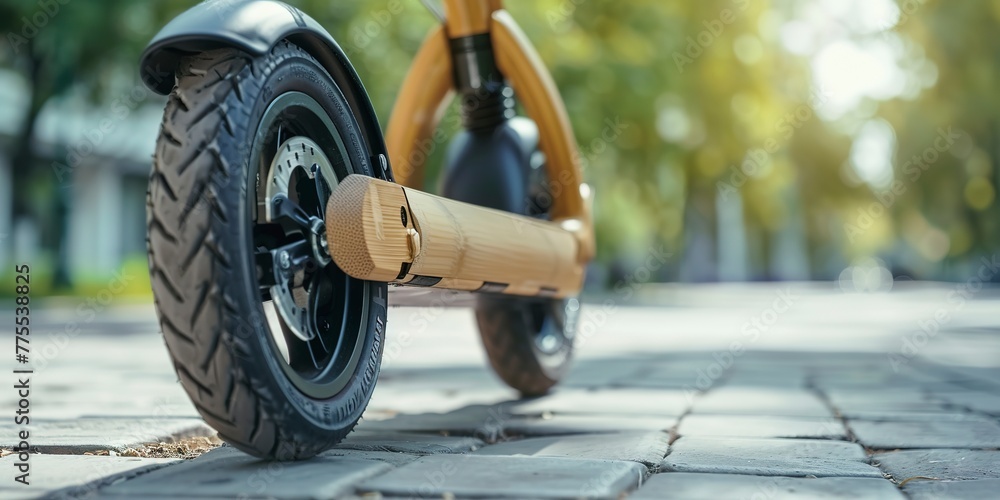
(278, 215)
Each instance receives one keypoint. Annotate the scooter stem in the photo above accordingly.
(380, 231)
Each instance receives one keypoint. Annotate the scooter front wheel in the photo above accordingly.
(278, 349)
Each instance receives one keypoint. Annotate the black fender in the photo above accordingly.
(255, 26)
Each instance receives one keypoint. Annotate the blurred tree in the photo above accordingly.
(696, 121)
(956, 195)
(58, 45)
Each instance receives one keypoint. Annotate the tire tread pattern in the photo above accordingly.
(190, 203)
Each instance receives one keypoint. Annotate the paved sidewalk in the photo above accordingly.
(751, 391)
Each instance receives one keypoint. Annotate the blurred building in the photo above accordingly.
(98, 160)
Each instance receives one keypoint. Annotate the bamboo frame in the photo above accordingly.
(381, 231)
(426, 92)
(533, 85)
(468, 17)
(541, 265)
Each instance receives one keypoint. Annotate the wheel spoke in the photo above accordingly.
(322, 193)
(283, 209)
(319, 299)
(299, 356)
(312, 354)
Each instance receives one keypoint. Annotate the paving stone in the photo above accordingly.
(927, 434)
(89, 434)
(933, 490)
(601, 372)
(761, 427)
(71, 475)
(973, 400)
(441, 371)
(979, 377)
(943, 464)
(393, 458)
(870, 379)
(419, 444)
(508, 477)
(443, 378)
(56, 395)
(671, 373)
(229, 473)
(893, 400)
(764, 380)
(675, 383)
(584, 424)
(437, 389)
(697, 486)
(481, 421)
(647, 448)
(630, 402)
(776, 376)
(410, 398)
(760, 401)
(951, 382)
(768, 457)
(915, 416)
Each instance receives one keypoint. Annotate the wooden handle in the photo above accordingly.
(381, 231)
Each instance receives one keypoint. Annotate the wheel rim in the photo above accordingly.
(317, 315)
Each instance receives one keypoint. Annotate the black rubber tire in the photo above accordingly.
(200, 255)
(509, 327)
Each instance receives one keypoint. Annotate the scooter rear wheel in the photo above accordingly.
(529, 341)
(278, 349)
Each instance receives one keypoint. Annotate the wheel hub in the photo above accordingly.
(320, 246)
(297, 158)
